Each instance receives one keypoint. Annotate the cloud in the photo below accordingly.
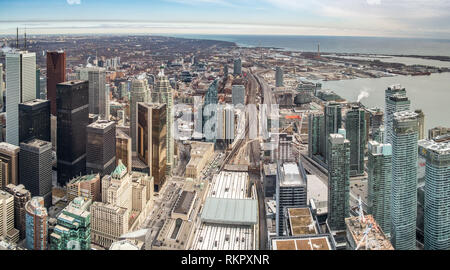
(373, 2)
(74, 2)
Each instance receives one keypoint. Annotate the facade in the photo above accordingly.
(338, 181)
(437, 131)
(36, 220)
(73, 229)
(355, 125)
(315, 135)
(237, 67)
(87, 186)
(34, 122)
(7, 230)
(394, 103)
(238, 94)
(125, 204)
(421, 121)
(152, 140)
(437, 197)
(21, 197)
(35, 162)
(139, 93)
(270, 179)
(20, 88)
(333, 122)
(163, 94)
(278, 77)
(56, 73)
(380, 182)
(123, 149)
(404, 180)
(291, 191)
(97, 83)
(101, 147)
(201, 154)
(9, 164)
(209, 120)
(73, 117)
(225, 124)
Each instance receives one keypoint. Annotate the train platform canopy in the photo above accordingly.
(230, 211)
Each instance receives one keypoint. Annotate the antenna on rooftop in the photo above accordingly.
(17, 38)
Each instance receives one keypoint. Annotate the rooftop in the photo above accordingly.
(223, 237)
(231, 185)
(301, 221)
(291, 175)
(4, 146)
(307, 243)
(376, 239)
(405, 115)
(230, 211)
(184, 202)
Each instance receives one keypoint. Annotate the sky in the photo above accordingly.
(388, 18)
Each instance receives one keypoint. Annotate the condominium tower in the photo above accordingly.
(355, 125)
(380, 181)
(404, 180)
(56, 73)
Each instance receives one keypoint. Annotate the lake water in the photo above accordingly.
(429, 93)
(367, 45)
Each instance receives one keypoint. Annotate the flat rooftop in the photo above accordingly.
(224, 237)
(377, 240)
(308, 243)
(291, 175)
(230, 211)
(231, 185)
(301, 221)
(4, 146)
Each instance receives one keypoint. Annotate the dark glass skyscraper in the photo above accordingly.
(73, 117)
(355, 125)
(333, 122)
(34, 120)
(35, 168)
(56, 73)
(338, 181)
(101, 147)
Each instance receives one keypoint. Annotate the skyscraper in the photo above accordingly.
(437, 197)
(97, 84)
(56, 73)
(104, 108)
(237, 67)
(396, 101)
(73, 117)
(9, 164)
(209, 120)
(36, 219)
(152, 140)
(73, 229)
(404, 180)
(278, 77)
(139, 93)
(315, 134)
(123, 149)
(164, 94)
(421, 121)
(35, 162)
(20, 88)
(333, 122)
(101, 147)
(21, 197)
(380, 181)
(34, 120)
(338, 181)
(355, 125)
(238, 94)
(291, 187)
(7, 229)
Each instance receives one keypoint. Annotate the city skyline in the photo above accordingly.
(375, 18)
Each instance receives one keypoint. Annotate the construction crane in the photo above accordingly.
(365, 237)
(361, 213)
